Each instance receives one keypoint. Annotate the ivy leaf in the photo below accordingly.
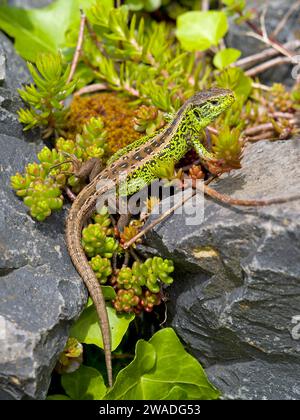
(162, 369)
(43, 29)
(86, 383)
(108, 292)
(177, 394)
(201, 30)
(86, 329)
(226, 57)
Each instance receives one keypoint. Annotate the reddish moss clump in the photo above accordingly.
(116, 113)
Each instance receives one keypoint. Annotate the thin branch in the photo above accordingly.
(260, 86)
(263, 20)
(78, 47)
(294, 7)
(122, 356)
(258, 129)
(134, 255)
(261, 35)
(70, 194)
(205, 5)
(223, 198)
(93, 36)
(114, 262)
(250, 24)
(267, 53)
(165, 316)
(163, 216)
(286, 115)
(268, 127)
(267, 135)
(241, 202)
(158, 220)
(265, 66)
(91, 89)
(131, 90)
(126, 259)
(280, 48)
(212, 130)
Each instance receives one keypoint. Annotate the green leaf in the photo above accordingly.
(148, 5)
(108, 292)
(228, 2)
(177, 394)
(162, 369)
(244, 87)
(86, 383)
(86, 329)
(43, 29)
(58, 397)
(235, 79)
(226, 57)
(235, 5)
(200, 30)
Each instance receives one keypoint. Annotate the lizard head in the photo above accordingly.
(205, 106)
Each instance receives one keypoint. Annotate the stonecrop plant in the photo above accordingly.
(45, 97)
(101, 79)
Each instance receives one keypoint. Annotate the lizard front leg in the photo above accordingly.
(216, 167)
(196, 144)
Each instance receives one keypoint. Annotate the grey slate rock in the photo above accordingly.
(2, 67)
(40, 291)
(277, 9)
(237, 278)
(16, 75)
(16, 70)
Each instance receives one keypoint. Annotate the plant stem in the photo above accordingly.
(205, 5)
(261, 86)
(226, 199)
(91, 89)
(294, 7)
(70, 194)
(258, 129)
(267, 65)
(78, 47)
(158, 220)
(267, 53)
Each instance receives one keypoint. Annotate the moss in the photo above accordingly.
(116, 113)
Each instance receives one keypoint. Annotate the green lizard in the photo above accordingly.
(139, 163)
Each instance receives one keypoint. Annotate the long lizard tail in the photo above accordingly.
(77, 216)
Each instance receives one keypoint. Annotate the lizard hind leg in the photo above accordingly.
(84, 170)
(88, 169)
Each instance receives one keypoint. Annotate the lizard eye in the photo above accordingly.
(214, 102)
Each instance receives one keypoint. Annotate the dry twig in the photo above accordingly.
(78, 47)
(267, 53)
(294, 7)
(96, 87)
(267, 65)
(158, 220)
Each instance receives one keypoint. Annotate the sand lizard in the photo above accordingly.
(139, 162)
